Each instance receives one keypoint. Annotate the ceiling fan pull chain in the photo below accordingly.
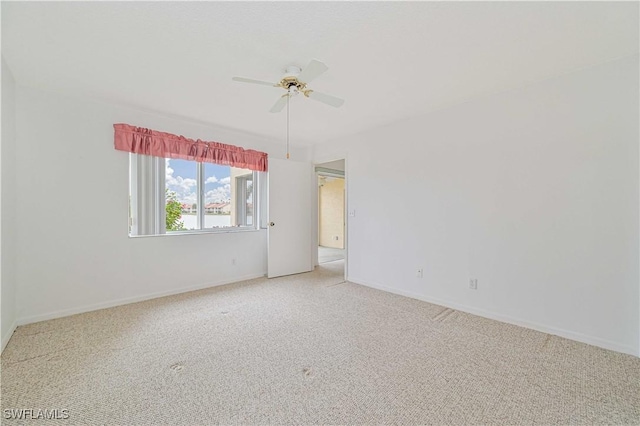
(288, 99)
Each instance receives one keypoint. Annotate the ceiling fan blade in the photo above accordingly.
(324, 98)
(250, 80)
(313, 70)
(280, 104)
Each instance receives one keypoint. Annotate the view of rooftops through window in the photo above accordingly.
(227, 195)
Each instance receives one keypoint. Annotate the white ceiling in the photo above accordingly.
(389, 60)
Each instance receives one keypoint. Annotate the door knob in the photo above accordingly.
(271, 224)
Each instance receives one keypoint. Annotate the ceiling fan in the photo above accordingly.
(295, 81)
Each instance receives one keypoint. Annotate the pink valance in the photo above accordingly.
(160, 144)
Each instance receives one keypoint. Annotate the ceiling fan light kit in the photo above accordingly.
(295, 81)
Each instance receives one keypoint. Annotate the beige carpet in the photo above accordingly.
(308, 349)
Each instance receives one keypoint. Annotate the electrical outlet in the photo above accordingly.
(419, 273)
(473, 283)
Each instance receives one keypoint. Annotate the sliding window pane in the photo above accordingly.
(249, 200)
(181, 190)
(217, 196)
(241, 197)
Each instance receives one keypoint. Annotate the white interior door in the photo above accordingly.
(289, 218)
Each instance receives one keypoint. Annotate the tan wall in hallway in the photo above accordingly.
(331, 213)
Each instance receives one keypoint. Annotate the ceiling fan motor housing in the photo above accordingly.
(292, 85)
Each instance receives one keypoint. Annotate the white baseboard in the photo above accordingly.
(7, 336)
(579, 337)
(125, 301)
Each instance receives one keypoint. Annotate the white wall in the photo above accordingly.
(8, 209)
(534, 192)
(73, 252)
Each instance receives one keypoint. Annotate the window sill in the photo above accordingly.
(201, 232)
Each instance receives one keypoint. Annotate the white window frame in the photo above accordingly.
(148, 201)
(241, 197)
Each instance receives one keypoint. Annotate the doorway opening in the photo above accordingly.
(331, 214)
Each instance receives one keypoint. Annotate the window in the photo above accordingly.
(244, 199)
(172, 196)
